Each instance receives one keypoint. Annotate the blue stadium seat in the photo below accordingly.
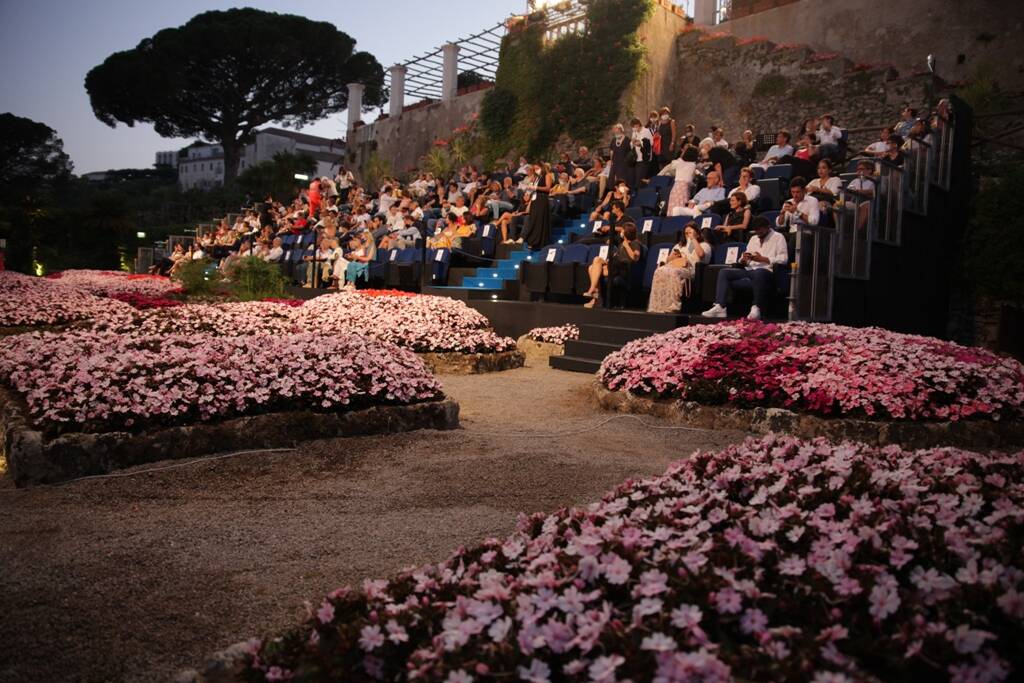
(439, 259)
(770, 216)
(648, 225)
(708, 221)
(673, 224)
(534, 272)
(647, 199)
(662, 181)
(771, 194)
(636, 213)
(721, 252)
(781, 171)
(655, 255)
(562, 273)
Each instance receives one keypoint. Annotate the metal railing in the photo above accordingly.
(889, 205)
(812, 274)
(945, 154)
(855, 227)
(917, 164)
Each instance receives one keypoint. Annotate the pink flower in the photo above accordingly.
(603, 668)
(728, 601)
(370, 638)
(538, 672)
(325, 613)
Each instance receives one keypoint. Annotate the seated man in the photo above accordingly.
(765, 250)
(616, 218)
(780, 150)
(276, 252)
(705, 199)
(829, 137)
(800, 208)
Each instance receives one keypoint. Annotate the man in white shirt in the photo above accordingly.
(705, 199)
(459, 208)
(716, 137)
(780, 149)
(800, 208)
(276, 252)
(394, 218)
(829, 137)
(765, 250)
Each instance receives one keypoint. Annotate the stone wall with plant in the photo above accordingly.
(570, 87)
(758, 84)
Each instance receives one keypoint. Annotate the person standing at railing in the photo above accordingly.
(639, 155)
(826, 187)
(620, 148)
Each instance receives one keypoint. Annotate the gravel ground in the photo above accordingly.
(137, 578)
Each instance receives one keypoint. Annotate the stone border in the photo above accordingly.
(451, 363)
(32, 458)
(536, 351)
(970, 434)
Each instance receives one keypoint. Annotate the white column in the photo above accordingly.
(355, 104)
(704, 12)
(396, 103)
(449, 85)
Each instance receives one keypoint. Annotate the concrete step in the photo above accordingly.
(591, 350)
(613, 334)
(574, 364)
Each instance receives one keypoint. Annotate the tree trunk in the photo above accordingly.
(232, 155)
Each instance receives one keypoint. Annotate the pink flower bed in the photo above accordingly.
(420, 323)
(31, 301)
(144, 301)
(822, 369)
(110, 282)
(103, 381)
(773, 560)
(554, 335)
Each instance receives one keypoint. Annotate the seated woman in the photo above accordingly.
(619, 193)
(357, 264)
(826, 187)
(446, 235)
(736, 222)
(616, 266)
(480, 211)
(511, 223)
(672, 279)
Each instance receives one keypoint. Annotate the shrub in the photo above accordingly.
(199, 277)
(773, 560)
(253, 279)
(99, 381)
(823, 369)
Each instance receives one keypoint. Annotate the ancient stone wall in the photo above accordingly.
(963, 36)
(766, 86)
(403, 140)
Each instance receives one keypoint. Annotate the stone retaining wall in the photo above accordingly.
(538, 352)
(32, 458)
(970, 434)
(472, 363)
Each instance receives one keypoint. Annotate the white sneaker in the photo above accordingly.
(755, 313)
(715, 311)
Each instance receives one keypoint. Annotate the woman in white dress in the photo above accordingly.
(672, 279)
(683, 169)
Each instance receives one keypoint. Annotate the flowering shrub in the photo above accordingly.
(420, 323)
(110, 282)
(554, 335)
(33, 301)
(284, 302)
(234, 319)
(102, 381)
(774, 560)
(823, 369)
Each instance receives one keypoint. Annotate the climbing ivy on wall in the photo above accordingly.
(572, 85)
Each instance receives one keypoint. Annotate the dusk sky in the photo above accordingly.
(46, 48)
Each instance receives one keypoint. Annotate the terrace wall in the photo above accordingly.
(985, 33)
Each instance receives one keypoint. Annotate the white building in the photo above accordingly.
(167, 158)
(201, 165)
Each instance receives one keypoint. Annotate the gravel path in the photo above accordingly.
(134, 579)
